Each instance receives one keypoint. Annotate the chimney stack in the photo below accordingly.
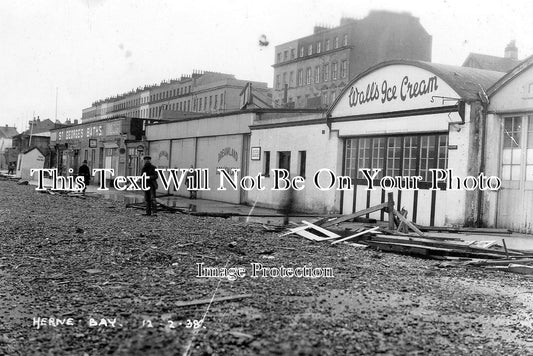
(511, 51)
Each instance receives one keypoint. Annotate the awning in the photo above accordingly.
(110, 145)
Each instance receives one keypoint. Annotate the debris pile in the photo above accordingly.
(404, 237)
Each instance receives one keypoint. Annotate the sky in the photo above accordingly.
(80, 51)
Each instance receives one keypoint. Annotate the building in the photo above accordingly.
(211, 142)
(495, 63)
(109, 143)
(6, 140)
(509, 150)
(201, 92)
(36, 136)
(311, 71)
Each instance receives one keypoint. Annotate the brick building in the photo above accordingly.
(311, 71)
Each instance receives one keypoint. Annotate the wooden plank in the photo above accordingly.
(355, 215)
(500, 262)
(214, 300)
(355, 235)
(465, 229)
(408, 247)
(522, 269)
(328, 233)
(408, 223)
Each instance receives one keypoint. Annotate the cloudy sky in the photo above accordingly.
(91, 49)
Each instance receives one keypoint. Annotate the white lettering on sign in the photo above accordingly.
(387, 92)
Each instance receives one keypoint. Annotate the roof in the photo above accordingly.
(523, 66)
(467, 82)
(8, 132)
(485, 61)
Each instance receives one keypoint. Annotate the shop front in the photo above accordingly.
(411, 128)
(103, 144)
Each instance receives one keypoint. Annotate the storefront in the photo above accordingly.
(404, 119)
(112, 144)
(509, 153)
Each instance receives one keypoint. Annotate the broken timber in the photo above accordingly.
(212, 300)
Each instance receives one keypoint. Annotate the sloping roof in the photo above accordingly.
(488, 62)
(8, 132)
(523, 66)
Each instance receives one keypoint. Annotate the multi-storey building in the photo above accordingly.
(311, 71)
(203, 92)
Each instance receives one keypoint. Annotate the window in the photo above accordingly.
(284, 160)
(327, 45)
(345, 40)
(344, 69)
(310, 50)
(317, 74)
(325, 98)
(397, 156)
(279, 58)
(301, 51)
(284, 78)
(512, 148)
(210, 102)
(216, 101)
(301, 163)
(293, 53)
(319, 47)
(291, 78)
(308, 75)
(278, 83)
(300, 77)
(336, 42)
(200, 105)
(266, 163)
(326, 72)
(286, 55)
(334, 71)
(333, 96)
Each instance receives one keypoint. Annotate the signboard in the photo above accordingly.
(92, 143)
(392, 88)
(256, 154)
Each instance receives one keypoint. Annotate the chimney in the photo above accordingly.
(75, 121)
(511, 51)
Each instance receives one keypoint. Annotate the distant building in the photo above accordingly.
(201, 92)
(6, 139)
(36, 136)
(311, 71)
(495, 63)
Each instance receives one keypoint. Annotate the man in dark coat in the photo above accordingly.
(85, 172)
(150, 194)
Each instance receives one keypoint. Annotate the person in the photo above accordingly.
(11, 168)
(150, 194)
(85, 172)
(191, 182)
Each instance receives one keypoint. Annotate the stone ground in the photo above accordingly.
(65, 257)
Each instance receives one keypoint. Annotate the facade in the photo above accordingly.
(201, 92)
(216, 141)
(509, 150)
(310, 72)
(113, 143)
(499, 64)
(302, 145)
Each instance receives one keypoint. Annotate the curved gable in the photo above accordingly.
(410, 85)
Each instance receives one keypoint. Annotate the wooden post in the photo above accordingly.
(505, 247)
(390, 206)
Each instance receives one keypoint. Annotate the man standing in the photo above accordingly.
(85, 172)
(150, 194)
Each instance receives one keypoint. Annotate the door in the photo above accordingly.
(515, 199)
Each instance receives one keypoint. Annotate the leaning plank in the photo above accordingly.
(214, 300)
(500, 262)
(355, 235)
(408, 223)
(355, 215)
